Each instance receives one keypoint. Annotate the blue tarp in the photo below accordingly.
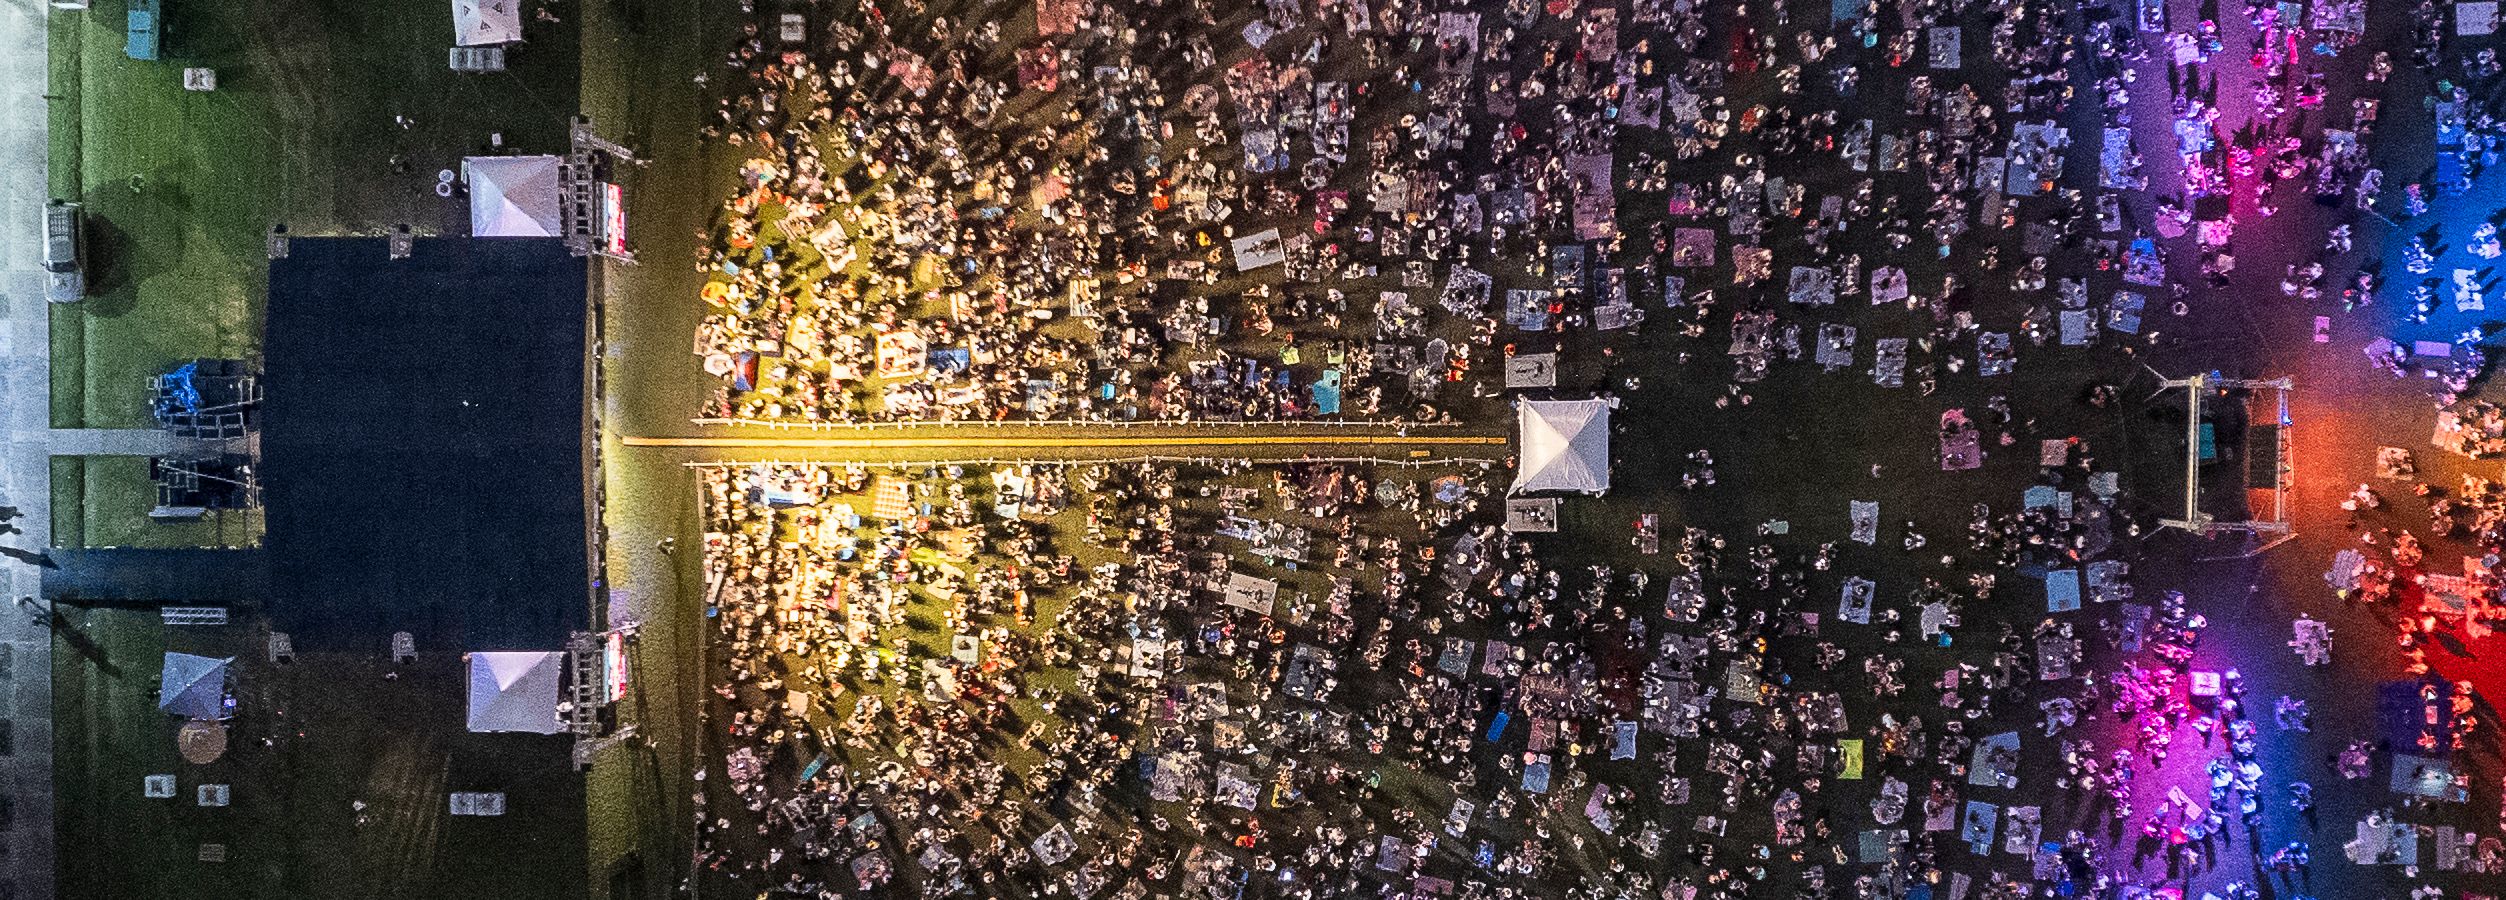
(779, 497)
(141, 37)
(1527, 310)
(1981, 817)
(1327, 393)
(2062, 590)
(186, 395)
(1536, 778)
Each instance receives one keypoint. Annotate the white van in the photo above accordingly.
(65, 246)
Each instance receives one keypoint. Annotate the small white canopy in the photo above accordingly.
(481, 22)
(512, 196)
(514, 691)
(1565, 446)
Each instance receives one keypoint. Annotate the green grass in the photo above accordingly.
(635, 66)
(337, 733)
(69, 336)
(69, 367)
(301, 130)
(183, 186)
(69, 506)
(115, 494)
(63, 63)
(172, 181)
(107, 737)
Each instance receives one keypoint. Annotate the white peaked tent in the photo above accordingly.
(480, 22)
(193, 687)
(512, 196)
(1565, 446)
(514, 691)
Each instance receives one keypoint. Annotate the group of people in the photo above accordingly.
(1327, 678)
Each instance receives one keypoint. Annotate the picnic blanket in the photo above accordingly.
(2062, 590)
(1889, 370)
(1054, 17)
(1835, 350)
(1853, 603)
(1888, 285)
(1596, 199)
(1961, 446)
(1992, 354)
(2076, 326)
(1812, 286)
(2124, 312)
(1692, 247)
(1978, 826)
(1946, 48)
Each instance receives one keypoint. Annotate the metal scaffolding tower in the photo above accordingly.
(2271, 472)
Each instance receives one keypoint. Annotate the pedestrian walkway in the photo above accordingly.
(119, 442)
(25, 467)
(1062, 439)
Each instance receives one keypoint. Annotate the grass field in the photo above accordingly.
(332, 118)
(182, 186)
(171, 182)
(107, 737)
(638, 56)
(310, 740)
(69, 512)
(103, 501)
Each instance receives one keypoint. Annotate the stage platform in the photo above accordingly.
(423, 451)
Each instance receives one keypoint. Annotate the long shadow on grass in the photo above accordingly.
(108, 269)
(79, 641)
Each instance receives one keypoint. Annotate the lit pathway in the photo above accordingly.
(1224, 441)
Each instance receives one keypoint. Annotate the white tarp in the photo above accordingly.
(1531, 370)
(512, 196)
(1564, 446)
(1865, 517)
(193, 687)
(1531, 515)
(1254, 595)
(514, 691)
(2471, 19)
(481, 22)
(1261, 248)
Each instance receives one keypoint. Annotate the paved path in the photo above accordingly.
(119, 442)
(25, 470)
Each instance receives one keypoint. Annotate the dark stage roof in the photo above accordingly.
(422, 444)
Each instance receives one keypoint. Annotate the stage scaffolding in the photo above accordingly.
(2269, 466)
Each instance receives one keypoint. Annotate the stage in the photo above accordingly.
(423, 449)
